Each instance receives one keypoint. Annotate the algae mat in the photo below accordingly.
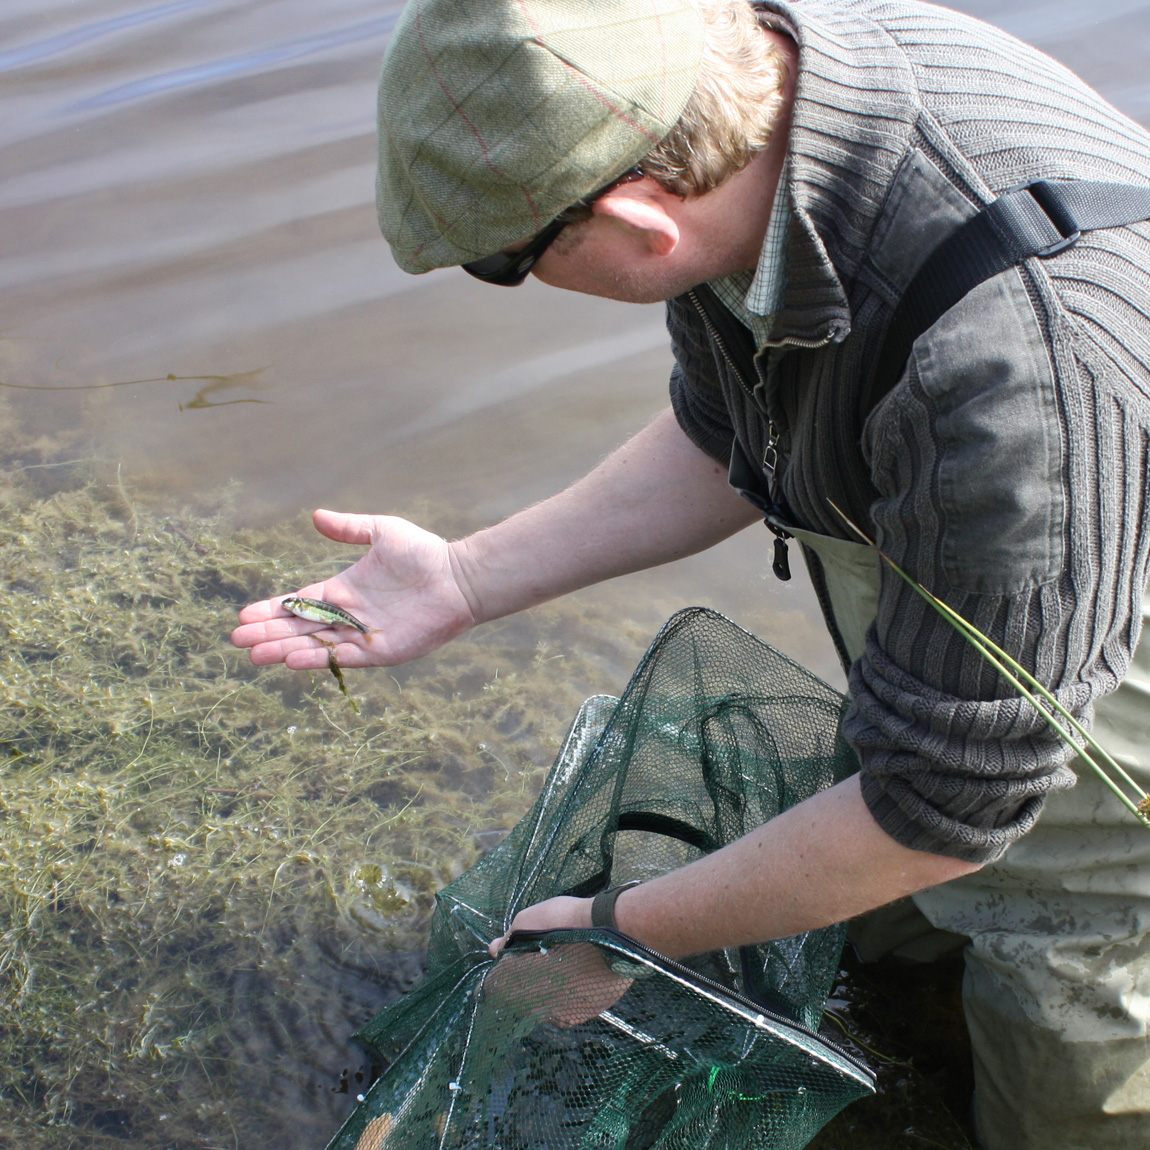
(209, 875)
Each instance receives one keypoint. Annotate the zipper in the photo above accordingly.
(781, 564)
(805, 344)
(713, 332)
(670, 966)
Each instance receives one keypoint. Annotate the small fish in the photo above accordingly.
(317, 611)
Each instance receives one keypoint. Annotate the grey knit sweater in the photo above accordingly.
(1008, 469)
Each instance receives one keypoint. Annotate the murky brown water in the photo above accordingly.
(192, 285)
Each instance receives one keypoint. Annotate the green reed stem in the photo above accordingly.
(1015, 673)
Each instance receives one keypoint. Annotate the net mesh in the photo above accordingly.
(580, 1040)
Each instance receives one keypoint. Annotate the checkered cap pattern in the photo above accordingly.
(495, 115)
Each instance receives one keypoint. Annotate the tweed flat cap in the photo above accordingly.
(495, 115)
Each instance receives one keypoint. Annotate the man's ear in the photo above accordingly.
(644, 209)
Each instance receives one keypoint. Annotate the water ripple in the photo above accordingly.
(239, 65)
(1043, 22)
(63, 41)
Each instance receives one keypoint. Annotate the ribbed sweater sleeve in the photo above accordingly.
(1033, 526)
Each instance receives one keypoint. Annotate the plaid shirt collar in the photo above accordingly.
(754, 297)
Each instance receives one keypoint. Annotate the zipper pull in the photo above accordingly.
(771, 459)
(782, 564)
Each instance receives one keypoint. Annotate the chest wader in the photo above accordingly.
(1057, 932)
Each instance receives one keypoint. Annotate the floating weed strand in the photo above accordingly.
(336, 670)
(830, 1014)
(1015, 674)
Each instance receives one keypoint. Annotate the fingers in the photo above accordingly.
(272, 634)
(267, 645)
(307, 653)
(258, 615)
(343, 527)
(268, 622)
(296, 642)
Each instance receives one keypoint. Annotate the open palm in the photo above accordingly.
(404, 588)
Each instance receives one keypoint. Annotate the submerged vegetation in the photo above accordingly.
(210, 874)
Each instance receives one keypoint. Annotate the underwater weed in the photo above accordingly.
(208, 873)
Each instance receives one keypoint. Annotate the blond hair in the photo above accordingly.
(731, 115)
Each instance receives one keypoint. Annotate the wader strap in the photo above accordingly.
(1041, 219)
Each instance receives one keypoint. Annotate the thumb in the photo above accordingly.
(343, 527)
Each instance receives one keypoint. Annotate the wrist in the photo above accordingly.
(497, 574)
(603, 905)
(464, 567)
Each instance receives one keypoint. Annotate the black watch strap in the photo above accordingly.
(603, 905)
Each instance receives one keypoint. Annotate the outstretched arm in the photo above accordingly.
(655, 499)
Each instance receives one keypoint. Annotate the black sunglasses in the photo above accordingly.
(510, 269)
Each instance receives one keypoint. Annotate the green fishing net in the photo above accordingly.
(586, 1040)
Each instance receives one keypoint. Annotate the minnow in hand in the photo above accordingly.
(317, 611)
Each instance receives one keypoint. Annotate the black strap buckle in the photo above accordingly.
(1045, 196)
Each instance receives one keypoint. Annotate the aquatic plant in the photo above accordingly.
(209, 874)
